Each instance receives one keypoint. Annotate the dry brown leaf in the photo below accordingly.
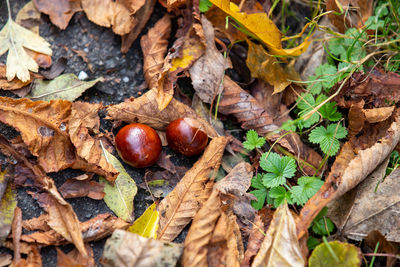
(5, 259)
(145, 110)
(179, 207)
(63, 260)
(154, 46)
(237, 102)
(376, 239)
(280, 246)
(37, 223)
(60, 12)
(83, 261)
(73, 188)
(357, 158)
(175, 4)
(356, 119)
(126, 249)
(355, 13)
(29, 17)
(34, 258)
(378, 114)
(16, 234)
(84, 120)
(96, 228)
(43, 128)
(207, 72)
(13, 84)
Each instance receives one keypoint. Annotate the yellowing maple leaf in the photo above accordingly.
(13, 38)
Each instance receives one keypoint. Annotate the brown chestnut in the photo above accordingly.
(185, 137)
(138, 145)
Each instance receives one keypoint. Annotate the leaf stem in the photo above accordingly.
(9, 9)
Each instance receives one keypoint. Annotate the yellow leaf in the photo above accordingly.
(147, 224)
(14, 38)
(262, 27)
(192, 50)
(8, 202)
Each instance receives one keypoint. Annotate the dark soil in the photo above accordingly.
(123, 78)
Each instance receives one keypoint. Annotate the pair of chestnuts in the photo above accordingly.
(140, 146)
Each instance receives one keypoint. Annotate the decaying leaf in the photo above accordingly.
(16, 234)
(14, 84)
(5, 260)
(147, 224)
(7, 205)
(376, 239)
(203, 232)
(14, 38)
(60, 12)
(266, 67)
(66, 86)
(154, 46)
(334, 253)
(37, 223)
(127, 249)
(29, 17)
(108, 13)
(357, 158)
(208, 71)
(145, 110)
(346, 14)
(280, 246)
(43, 128)
(119, 197)
(75, 259)
(178, 208)
(262, 27)
(84, 119)
(34, 258)
(73, 188)
(96, 228)
(375, 115)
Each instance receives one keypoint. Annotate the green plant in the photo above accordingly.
(328, 138)
(253, 140)
(204, 5)
(322, 225)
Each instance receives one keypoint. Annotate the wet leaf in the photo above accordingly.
(60, 12)
(357, 158)
(262, 27)
(96, 228)
(179, 207)
(208, 71)
(280, 246)
(154, 46)
(147, 224)
(145, 110)
(13, 38)
(108, 13)
(346, 255)
(119, 197)
(83, 124)
(66, 87)
(8, 204)
(128, 249)
(42, 127)
(266, 67)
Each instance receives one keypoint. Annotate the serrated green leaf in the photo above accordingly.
(119, 197)
(327, 73)
(279, 194)
(312, 242)
(306, 188)
(253, 140)
(335, 253)
(323, 226)
(256, 182)
(66, 86)
(278, 168)
(336, 46)
(147, 224)
(306, 103)
(328, 137)
(204, 5)
(7, 205)
(260, 194)
(273, 180)
(329, 112)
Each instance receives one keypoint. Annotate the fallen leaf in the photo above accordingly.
(73, 188)
(145, 110)
(83, 121)
(147, 224)
(357, 158)
(63, 260)
(16, 234)
(345, 14)
(262, 27)
(56, 69)
(154, 46)
(37, 223)
(60, 12)
(14, 84)
(34, 258)
(175, 4)
(266, 67)
(208, 71)
(376, 239)
(108, 13)
(127, 249)
(179, 207)
(119, 197)
(29, 17)
(141, 17)
(280, 246)
(346, 255)
(5, 259)
(356, 118)
(7, 205)
(83, 261)
(94, 229)
(43, 128)
(66, 86)
(14, 38)
(375, 115)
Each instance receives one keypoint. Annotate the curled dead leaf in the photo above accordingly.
(378, 114)
(60, 12)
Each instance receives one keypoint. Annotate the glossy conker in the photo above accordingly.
(185, 137)
(138, 145)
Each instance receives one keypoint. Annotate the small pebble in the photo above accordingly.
(82, 76)
(125, 79)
